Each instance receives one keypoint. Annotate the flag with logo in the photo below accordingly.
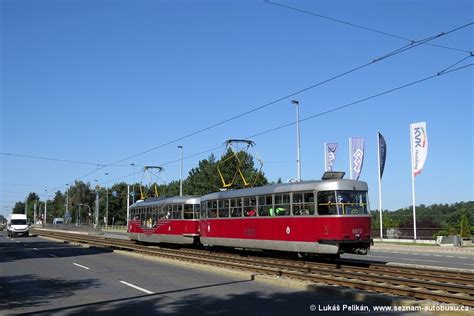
(329, 155)
(419, 146)
(382, 153)
(356, 146)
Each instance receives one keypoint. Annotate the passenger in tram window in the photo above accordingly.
(271, 212)
(252, 212)
(280, 211)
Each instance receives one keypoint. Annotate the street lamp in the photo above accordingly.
(298, 159)
(107, 201)
(181, 173)
(67, 201)
(133, 184)
(90, 210)
(45, 207)
(96, 219)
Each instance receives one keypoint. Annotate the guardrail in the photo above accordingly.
(121, 228)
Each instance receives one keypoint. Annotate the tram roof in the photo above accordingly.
(191, 199)
(315, 185)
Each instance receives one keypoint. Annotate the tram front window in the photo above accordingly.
(342, 202)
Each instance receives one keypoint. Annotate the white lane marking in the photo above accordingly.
(51, 255)
(36, 249)
(137, 287)
(17, 241)
(81, 266)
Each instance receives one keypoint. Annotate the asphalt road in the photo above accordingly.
(414, 257)
(44, 277)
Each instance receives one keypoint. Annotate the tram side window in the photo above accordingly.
(177, 211)
(303, 204)
(197, 211)
(188, 211)
(250, 206)
(161, 212)
(352, 202)
(149, 221)
(282, 205)
(154, 216)
(142, 216)
(212, 209)
(168, 211)
(327, 203)
(223, 208)
(264, 205)
(236, 207)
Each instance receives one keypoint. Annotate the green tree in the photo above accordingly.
(465, 226)
(204, 178)
(231, 163)
(57, 207)
(118, 204)
(80, 193)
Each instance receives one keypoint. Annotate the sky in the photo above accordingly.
(101, 81)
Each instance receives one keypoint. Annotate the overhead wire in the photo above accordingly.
(58, 159)
(390, 54)
(438, 74)
(360, 100)
(360, 26)
(386, 56)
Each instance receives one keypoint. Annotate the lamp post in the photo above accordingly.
(107, 201)
(133, 184)
(67, 201)
(77, 214)
(45, 207)
(181, 173)
(96, 219)
(90, 210)
(298, 159)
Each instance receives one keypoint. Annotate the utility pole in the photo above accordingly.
(45, 207)
(67, 202)
(298, 159)
(107, 201)
(96, 215)
(128, 204)
(133, 184)
(181, 173)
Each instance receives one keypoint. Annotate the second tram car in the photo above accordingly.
(165, 220)
(311, 217)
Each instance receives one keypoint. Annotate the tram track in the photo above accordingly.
(426, 284)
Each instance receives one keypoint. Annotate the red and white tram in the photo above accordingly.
(312, 217)
(165, 220)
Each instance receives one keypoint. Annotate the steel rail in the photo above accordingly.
(444, 292)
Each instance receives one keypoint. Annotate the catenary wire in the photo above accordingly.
(359, 26)
(438, 74)
(58, 159)
(390, 54)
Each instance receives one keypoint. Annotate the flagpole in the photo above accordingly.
(380, 186)
(413, 183)
(325, 157)
(350, 157)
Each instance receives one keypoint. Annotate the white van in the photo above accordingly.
(17, 225)
(58, 221)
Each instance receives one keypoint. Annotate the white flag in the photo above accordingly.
(419, 146)
(329, 155)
